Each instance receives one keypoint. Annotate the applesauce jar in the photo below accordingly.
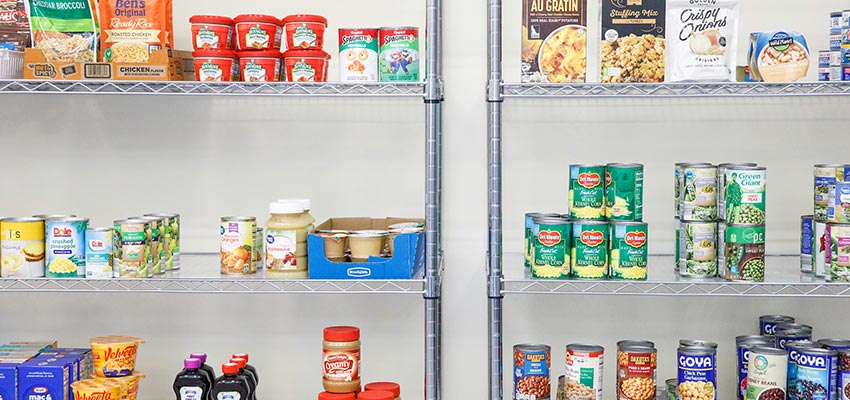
(341, 359)
(286, 238)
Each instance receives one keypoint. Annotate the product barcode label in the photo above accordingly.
(97, 71)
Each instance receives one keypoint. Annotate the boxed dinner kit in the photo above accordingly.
(632, 46)
(408, 251)
(159, 67)
(554, 41)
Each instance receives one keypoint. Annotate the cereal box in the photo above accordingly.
(632, 44)
(554, 41)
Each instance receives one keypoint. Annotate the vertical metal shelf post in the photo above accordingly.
(433, 197)
(494, 195)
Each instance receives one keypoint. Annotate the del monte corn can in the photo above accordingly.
(744, 195)
(587, 192)
(699, 192)
(551, 248)
(529, 238)
(590, 250)
(628, 252)
(624, 192)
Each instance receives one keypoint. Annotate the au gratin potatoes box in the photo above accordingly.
(554, 41)
(160, 67)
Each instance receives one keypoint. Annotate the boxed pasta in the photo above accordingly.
(159, 67)
(702, 40)
(554, 41)
(778, 56)
(632, 46)
(14, 24)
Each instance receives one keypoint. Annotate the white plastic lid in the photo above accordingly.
(285, 207)
(305, 203)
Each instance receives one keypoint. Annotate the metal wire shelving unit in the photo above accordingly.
(662, 280)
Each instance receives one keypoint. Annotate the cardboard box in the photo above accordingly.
(8, 381)
(406, 263)
(552, 32)
(160, 67)
(632, 41)
(42, 380)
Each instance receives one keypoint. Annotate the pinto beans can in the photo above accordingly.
(589, 255)
(358, 55)
(399, 54)
(531, 371)
(628, 251)
(587, 192)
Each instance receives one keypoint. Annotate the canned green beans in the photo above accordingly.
(807, 234)
(587, 192)
(744, 248)
(551, 248)
(825, 175)
(838, 256)
(132, 247)
(744, 195)
(698, 249)
(628, 253)
(767, 374)
(624, 192)
(157, 254)
(590, 250)
(170, 236)
(529, 238)
(699, 192)
(721, 184)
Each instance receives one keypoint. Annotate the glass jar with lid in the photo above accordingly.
(341, 359)
(286, 239)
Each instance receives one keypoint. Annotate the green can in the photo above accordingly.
(698, 191)
(587, 192)
(628, 251)
(589, 253)
(743, 200)
(744, 249)
(677, 228)
(678, 183)
(170, 240)
(529, 238)
(624, 192)
(158, 257)
(551, 248)
(698, 249)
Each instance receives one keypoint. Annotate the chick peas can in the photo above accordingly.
(697, 375)
(99, 253)
(624, 192)
(237, 243)
(65, 247)
(551, 248)
(744, 249)
(589, 255)
(587, 192)
(698, 192)
(358, 55)
(21, 248)
(628, 250)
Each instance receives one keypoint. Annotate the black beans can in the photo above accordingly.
(767, 323)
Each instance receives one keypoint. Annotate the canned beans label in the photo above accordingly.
(744, 248)
(698, 241)
(745, 196)
(697, 377)
(629, 252)
(699, 194)
(551, 251)
(838, 203)
(590, 251)
(624, 193)
(767, 376)
(22, 249)
(583, 377)
(817, 376)
(636, 375)
(531, 374)
(66, 248)
(587, 192)
(844, 375)
(838, 255)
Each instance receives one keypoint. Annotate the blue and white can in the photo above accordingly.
(807, 228)
(835, 20)
(697, 372)
(793, 349)
(99, 253)
(823, 74)
(744, 344)
(785, 336)
(767, 323)
(845, 72)
(824, 57)
(835, 344)
(844, 374)
(817, 374)
(835, 39)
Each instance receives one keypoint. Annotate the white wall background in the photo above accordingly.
(99, 155)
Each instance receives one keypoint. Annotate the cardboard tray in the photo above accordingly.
(161, 66)
(406, 263)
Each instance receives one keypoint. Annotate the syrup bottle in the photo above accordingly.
(192, 383)
(252, 382)
(231, 386)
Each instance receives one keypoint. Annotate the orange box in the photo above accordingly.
(160, 67)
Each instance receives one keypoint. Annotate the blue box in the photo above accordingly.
(406, 263)
(8, 381)
(44, 380)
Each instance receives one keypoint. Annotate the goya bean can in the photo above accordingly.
(584, 372)
(786, 336)
(834, 344)
(817, 374)
(170, 239)
(699, 192)
(237, 243)
(587, 192)
(677, 230)
(531, 371)
(529, 238)
(767, 373)
(628, 251)
(807, 234)
(838, 203)
(358, 54)
(399, 54)
(65, 243)
(551, 248)
(793, 350)
(767, 323)
(636, 372)
(820, 250)
(844, 374)
(744, 344)
(99, 253)
(744, 249)
(624, 192)
(21, 248)
(825, 175)
(696, 343)
(133, 249)
(698, 249)
(838, 255)
(157, 257)
(589, 254)
(744, 199)
(721, 184)
(697, 373)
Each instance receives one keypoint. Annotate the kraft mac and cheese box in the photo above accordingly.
(43, 380)
(8, 381)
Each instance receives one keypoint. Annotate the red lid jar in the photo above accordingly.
(376, 395)
(259, 66)
(216, 65)
(336, 396)
(341, 359)
(257, 32)
(305, 32)
(306, 65)
(211, 32)
(391, 387)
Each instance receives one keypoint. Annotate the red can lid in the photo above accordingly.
(201, 53)
(305, 18)
(336, 396)
(268, 19)
(229, 368)
(376, 395)
(391, 387)
(341, 333)
(260, 53)
(306, 53)
(241, 362)
(240, 355)
(211, 19)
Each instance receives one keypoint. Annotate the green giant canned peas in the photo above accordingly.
(624, 192)
(628, 252)
(698, 249)
(744, 195)
(590, 250)
(721, 183)
(587, 192)
(529, 239)
(744, 251)
(551, 248)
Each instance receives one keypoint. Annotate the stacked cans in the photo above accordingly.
(825, 235)
(720, 214)
(836, 67)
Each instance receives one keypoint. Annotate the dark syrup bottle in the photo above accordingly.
(231, 386)
(192, 383)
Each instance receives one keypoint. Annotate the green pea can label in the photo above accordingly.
(589, 253)
(838, 252)
(744, 195)
(551, 248)
(628, 250)
(699, 193)
(624, 192)
(587, 192)
(744, 252)
(698, 249)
